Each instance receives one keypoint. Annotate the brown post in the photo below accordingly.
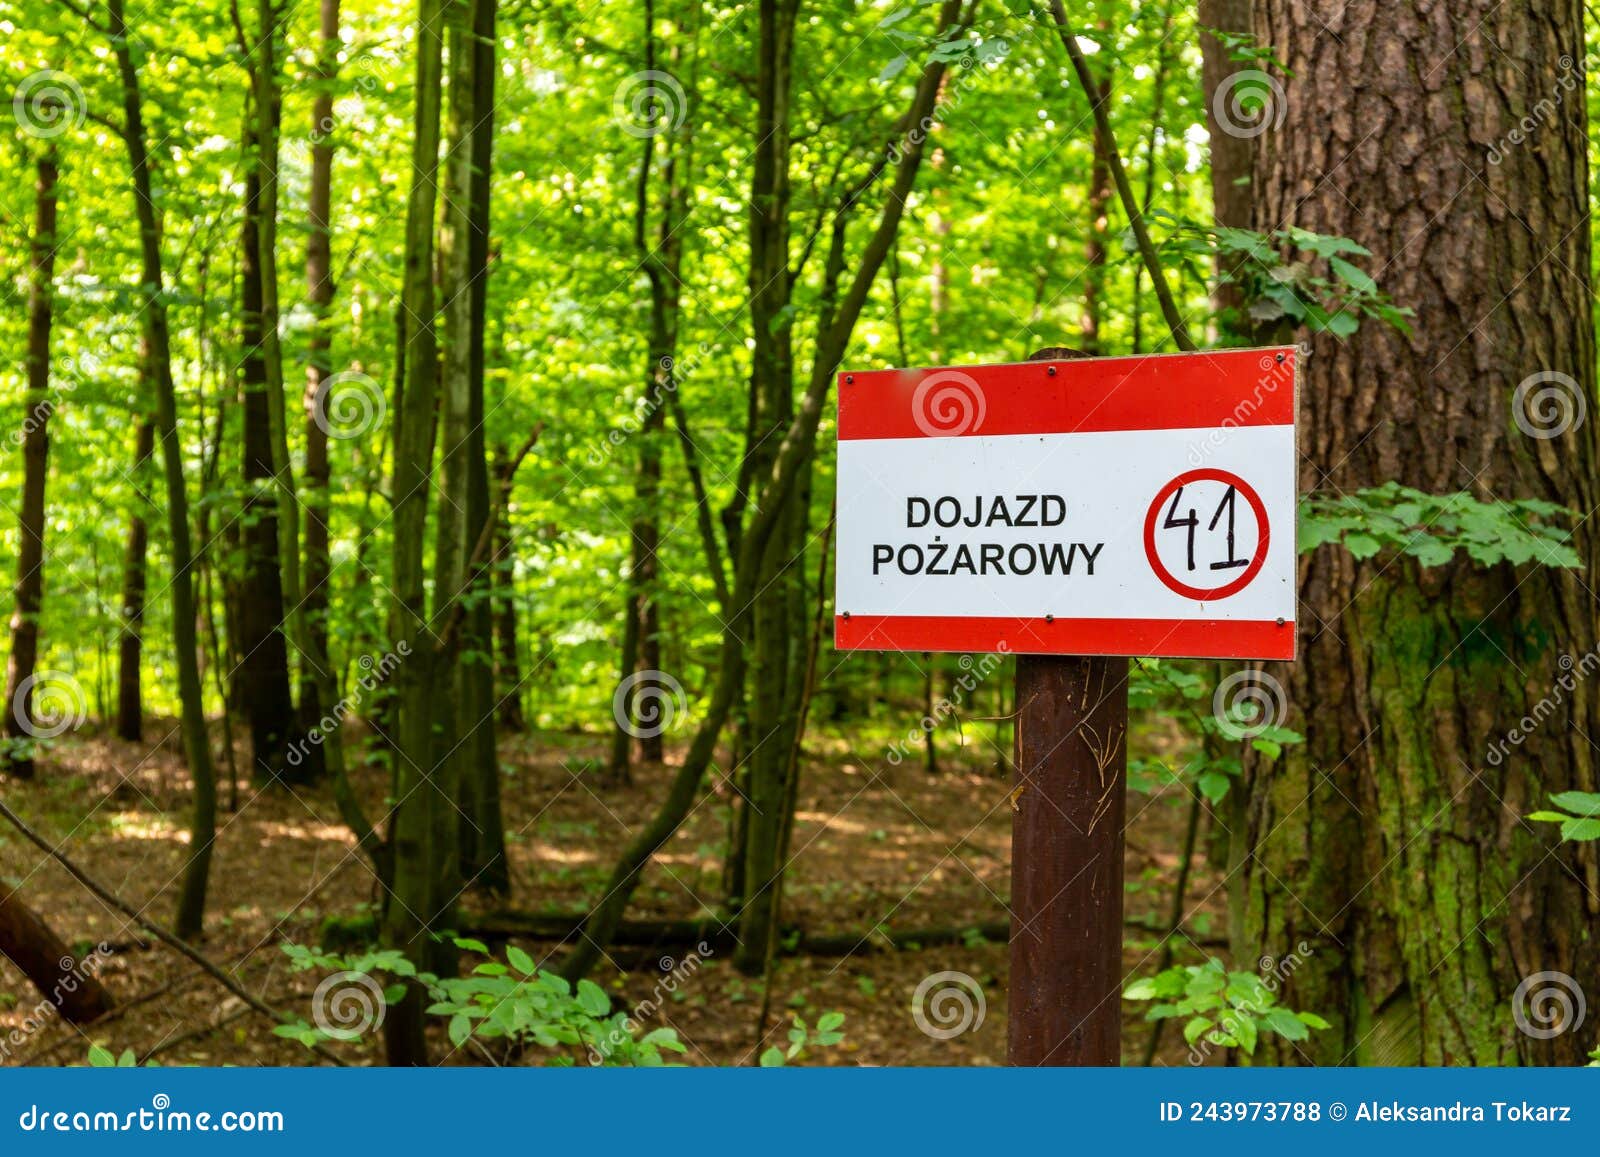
(1066, 855)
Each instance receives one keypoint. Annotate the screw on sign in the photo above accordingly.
(1073, 512)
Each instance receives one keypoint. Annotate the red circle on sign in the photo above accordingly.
(1205, 594)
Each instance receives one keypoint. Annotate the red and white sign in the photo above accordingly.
(1108, 506)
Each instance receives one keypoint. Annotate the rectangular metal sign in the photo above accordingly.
(1108, 506)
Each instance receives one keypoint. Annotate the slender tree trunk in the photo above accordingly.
(465, 472)
(1392, 844)
(1232, 151)
(772, 384)
(29, 591)
(319, 366)
(503, 578)
(422, 825)
(264, 654)
(130, 643)
(153, 312)
(268, 91)
(1099, 201)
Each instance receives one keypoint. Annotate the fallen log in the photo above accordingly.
(69, 984)
(647, 936)
(719, 937)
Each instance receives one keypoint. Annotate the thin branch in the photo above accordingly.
(177, 944)
(1119, 175)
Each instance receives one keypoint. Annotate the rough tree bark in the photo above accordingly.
(28, 598)
(1392, 843)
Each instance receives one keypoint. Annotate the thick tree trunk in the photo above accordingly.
(44, 958)
(1392, 845)
(264, 654)
(29, 592)
(157, 346)
(130, 642)
(319, 366)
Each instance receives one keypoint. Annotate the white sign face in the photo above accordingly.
(1133, 506)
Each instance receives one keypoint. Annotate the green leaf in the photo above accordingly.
(1581, 830)
(1196, 1026)
(520, 960)
(1286, 1024)
(1362, 545)
(592, 998)
(1244, 1029)
(773, 1058)
(1213, 785)
(1142, 989)
(1582, 803)
(100, 1058)
(460, 1029)
(894, 68)
(1313, 1020)
(1352, 276)
(830, 1021)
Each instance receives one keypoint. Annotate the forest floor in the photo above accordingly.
(892, 848)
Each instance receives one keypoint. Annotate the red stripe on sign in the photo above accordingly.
(1164, 638)
(1153, 392)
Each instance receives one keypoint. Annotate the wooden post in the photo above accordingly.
(1066, 855)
